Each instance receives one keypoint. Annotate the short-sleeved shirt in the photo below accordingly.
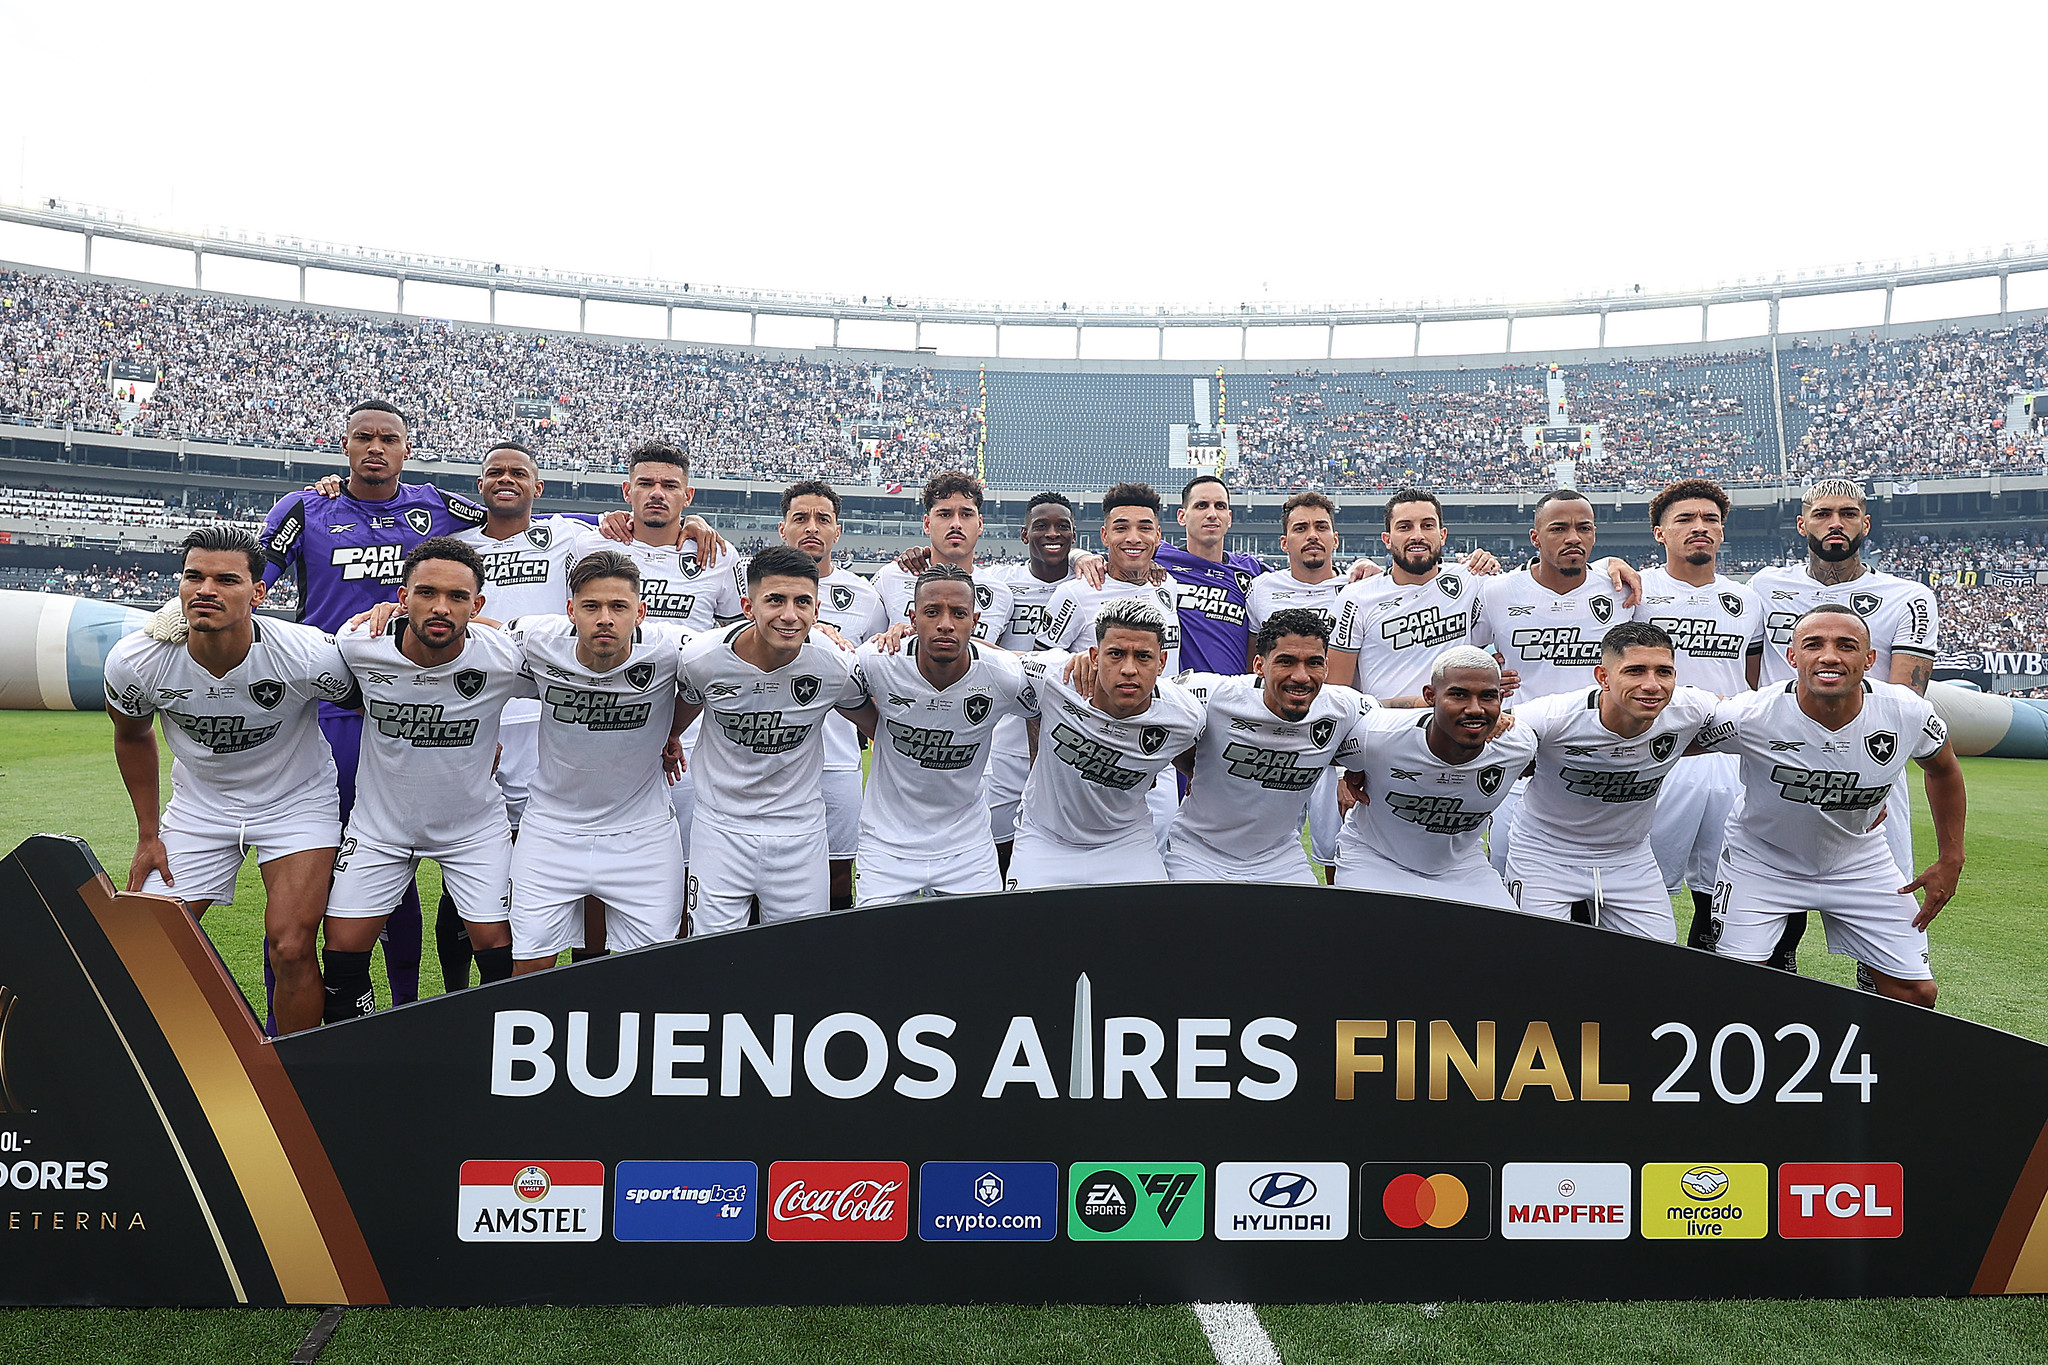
(1281, 591)
(1712, 628)
(760, 750)
(850, 605)
(528, 574)
(991, 598)
(1901, 614)
(1070, 615)
(1594, 793)
(248, 744)
(1420, 812)
(1398, 629)
(1094, 773)
(677, 587)
(1552, 639)
(1028, 595)
(347, 555)
(1215, 637)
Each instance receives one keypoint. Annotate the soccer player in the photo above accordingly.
(952, 519)
(433, 688)
(1581, 844)
(1546, 621)
(1085, 818)
(1820, 756)
(924, 826)
(1902, 616)
(238, 698)
(1391, 627)
(1429, 780)
(1048, 537)
(1713, 622)
(1309, 536)
(766, 687)
(598, 820)
(1269, 739)
(345, 554)
(1213, 581)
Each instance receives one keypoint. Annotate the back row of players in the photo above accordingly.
(1042, 756)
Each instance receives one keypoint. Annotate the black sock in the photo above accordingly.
(494, 964)
(586, 954)
(1785, 957)
(451, 945)
(842, 902)
(347, 981)
(1703, 934)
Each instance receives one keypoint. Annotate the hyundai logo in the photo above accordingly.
(1283, 1190)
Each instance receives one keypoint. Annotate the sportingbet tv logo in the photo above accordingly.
(1137, 1201)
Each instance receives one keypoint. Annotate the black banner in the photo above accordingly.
(1117, 1094)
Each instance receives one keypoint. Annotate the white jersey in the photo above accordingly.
(1254, 771)
(247, 744)
(924, 795)
(1811, 796)
(991, 599)
(1070, 614)
(430, 736)
(1595, 793)
(1421, 813)
(528, 574)
(761, 749)
(1398, 629)
(1280, 590)
(1551, 639)
(850, 605)
(677, 588)
(1094, 774)
(601, 734)
(1029, 595)
(1901, 614)
(1712, 628)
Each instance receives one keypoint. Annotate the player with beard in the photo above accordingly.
(1820, 755)
(433, 691)
(1713, 622)
(1581, 847)
(1268, 740)
(1048, 537)
(1427, 784)
(239, 701)
(1902, 616)
(1099, 754)
(942, 699)
(952, 521)
(1391, 627)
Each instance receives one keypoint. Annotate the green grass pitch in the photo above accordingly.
(57, 775)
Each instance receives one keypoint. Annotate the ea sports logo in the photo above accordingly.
(1283, 1189)
(1437, 1201)
(1105, 1202)
(532, 1184)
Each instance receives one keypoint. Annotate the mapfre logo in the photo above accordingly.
(1841, 1199)
(838, 1201)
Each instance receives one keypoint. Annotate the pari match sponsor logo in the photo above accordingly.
(1724, 1199)
(988, 1201)
(838, 1201)
(685, 1201)
(1283, 1201)
(1841, 1199)
(1136, 1201)
(1576, 1201)
(531, 1201)
(1444, 1201)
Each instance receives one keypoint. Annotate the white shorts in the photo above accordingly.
(370, 876)
(1499, 832)
(682, 799)
(1188, 859)
(1632, 895)
(520, 736)
(205, 851)
(1003, 786)
(1361, 869)
(1164, 803)
(785, 870)
(964, 872)
(1692, 819)
(842, 812)
(1865, 916)
(638, 874)
(1037, 861)
(1325, 824)
(1898, 828)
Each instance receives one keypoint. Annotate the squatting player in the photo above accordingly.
(1820, 757)
(238, 698)
(434, 688)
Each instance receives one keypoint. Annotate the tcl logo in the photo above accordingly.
(838, 1201)
(1842, 1199)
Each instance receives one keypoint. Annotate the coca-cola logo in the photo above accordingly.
(838, 1201)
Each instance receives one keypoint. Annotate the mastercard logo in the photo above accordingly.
(1437, 1201)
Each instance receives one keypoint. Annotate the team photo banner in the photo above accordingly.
(1194, 1092)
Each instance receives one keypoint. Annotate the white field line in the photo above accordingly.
(1236, 1334)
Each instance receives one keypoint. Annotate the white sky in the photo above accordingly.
(1049, 151)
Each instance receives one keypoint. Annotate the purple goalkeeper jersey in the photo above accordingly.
(1213, 635)
(347, 556)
